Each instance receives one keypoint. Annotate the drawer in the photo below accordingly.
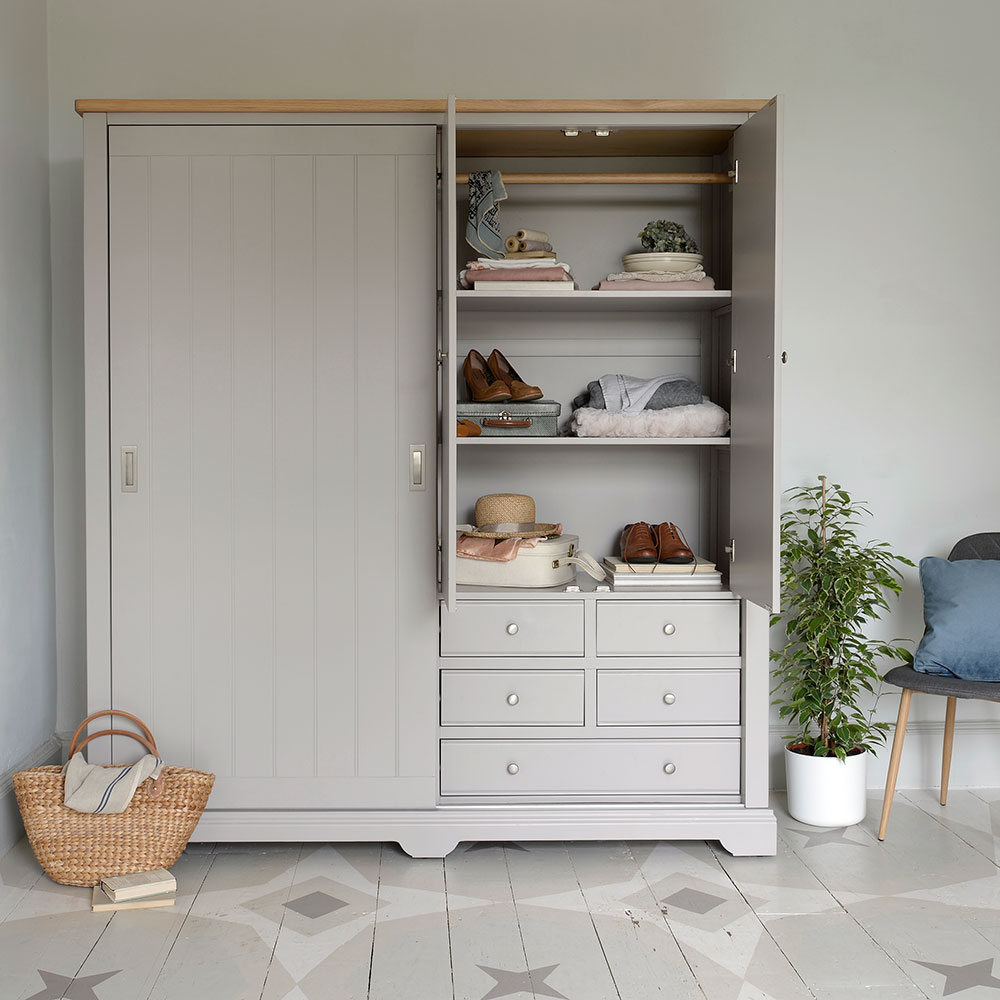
(511, 697)
(668, 628)
(513, 628)
(668, 697)
(590, 767)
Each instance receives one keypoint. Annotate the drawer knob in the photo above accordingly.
(512, 768)
(512, 699)
(512, 628)
(669, 768)
(669, 698)
(669, 628)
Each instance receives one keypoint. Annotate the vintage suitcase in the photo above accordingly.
(537, 419)
(550, 563)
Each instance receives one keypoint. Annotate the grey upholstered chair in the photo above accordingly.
(982, 546)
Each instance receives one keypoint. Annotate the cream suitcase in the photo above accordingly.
(550, 563)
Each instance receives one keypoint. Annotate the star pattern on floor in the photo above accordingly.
(964, 977)
(531, 982)
(59, 987)
(816, 837)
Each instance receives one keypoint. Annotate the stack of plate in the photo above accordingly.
(661, 261)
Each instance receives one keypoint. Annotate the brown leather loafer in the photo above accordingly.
(520, 391)
(484, 386)
(670, 544)
(638, 544)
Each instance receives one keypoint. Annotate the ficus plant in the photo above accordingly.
(832, 586)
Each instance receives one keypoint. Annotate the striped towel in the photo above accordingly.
(91, 788)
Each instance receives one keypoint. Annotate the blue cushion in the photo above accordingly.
(961, 618)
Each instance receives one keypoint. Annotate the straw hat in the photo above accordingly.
(508, 515)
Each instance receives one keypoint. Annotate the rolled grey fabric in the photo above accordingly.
(680, 392)
(532, 245)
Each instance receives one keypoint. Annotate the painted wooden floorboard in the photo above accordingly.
(969, 816)
(482, 920)
(562, 947)
(224, 949)
(324, 946)
(412, 955)
(642, 954)
(19, 872)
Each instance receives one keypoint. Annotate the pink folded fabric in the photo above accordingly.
(515, 274)
(488, 550)
(705, 285)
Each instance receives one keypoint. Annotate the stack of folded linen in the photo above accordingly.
(529, 244)
(658, 281)
(517, 275)
(631, 407)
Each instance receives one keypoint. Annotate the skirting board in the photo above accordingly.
(433, 833)
(975, 762)
(11, 829)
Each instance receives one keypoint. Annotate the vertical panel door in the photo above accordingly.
(755, 470)
(273, 331)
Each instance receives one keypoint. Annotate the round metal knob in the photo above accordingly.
(512, 699)
(512, 768)
(669, 698)
(669, 629)
(512, 628)
(669, 768)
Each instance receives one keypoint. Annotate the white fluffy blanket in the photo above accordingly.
(704, 419)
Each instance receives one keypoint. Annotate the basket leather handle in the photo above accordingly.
(73, 747)
(155, 786)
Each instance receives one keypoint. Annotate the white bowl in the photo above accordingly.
(662, 261)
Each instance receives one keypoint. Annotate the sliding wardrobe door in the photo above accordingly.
(273, 506)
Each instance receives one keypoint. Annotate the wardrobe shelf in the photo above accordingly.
(471, 300)
(592, 441)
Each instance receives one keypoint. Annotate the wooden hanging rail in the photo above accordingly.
(681, 178)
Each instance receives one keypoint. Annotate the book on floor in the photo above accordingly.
(121, 888)
(101, 902)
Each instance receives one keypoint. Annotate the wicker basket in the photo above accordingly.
(77, 848)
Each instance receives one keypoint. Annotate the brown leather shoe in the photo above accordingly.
(670, 544)
(520, 391)
(484, 387)
(638, 544)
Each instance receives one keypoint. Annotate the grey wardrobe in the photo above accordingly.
(274, 344)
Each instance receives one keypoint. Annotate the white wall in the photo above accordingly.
(890, 209)
(27, 608)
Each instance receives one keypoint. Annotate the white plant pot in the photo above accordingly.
(824, 791)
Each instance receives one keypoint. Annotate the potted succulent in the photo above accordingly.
(832, 586)
(667, 246)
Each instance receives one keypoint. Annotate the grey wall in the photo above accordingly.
(890, 213)
(27, 609)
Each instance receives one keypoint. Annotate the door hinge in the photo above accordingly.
(439, 559)
(735, 172)
(731, 549)
(441, 356)
(732, 361)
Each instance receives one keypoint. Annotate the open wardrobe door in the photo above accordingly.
(755, 470)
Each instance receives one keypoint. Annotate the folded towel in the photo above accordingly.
(706, 419)
(91, 788)
(705, 285)
(695, 274)
(482, 232)
(532, 234)
(529, 254)
(630, 394)
(681, 391)
(475, 275)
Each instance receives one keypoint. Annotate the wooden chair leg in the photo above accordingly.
(894, 757)
(949, 739)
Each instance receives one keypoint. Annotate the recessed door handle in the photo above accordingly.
(130, 468)
(418, 477)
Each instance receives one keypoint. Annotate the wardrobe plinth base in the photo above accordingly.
(434, 833)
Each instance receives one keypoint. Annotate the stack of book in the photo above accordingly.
(140, 891)
(662, 576)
